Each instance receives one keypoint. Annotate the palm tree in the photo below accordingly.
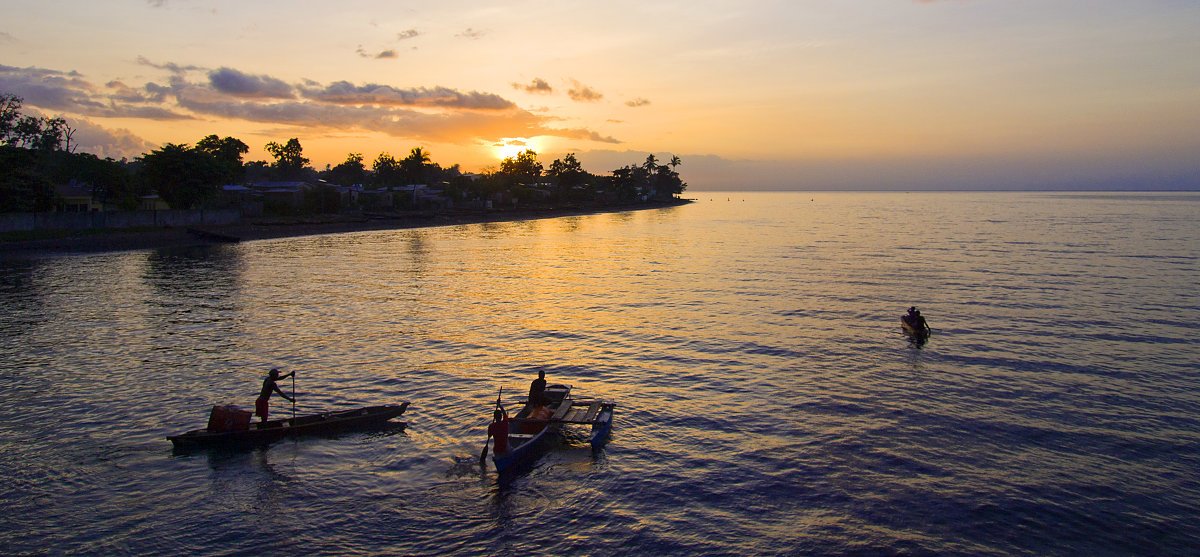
(413, 166)
(419, 155)
(651, 162)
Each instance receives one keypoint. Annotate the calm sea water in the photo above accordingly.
(768, 401)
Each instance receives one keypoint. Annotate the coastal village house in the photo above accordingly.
(153, 202)
(282, 194)
(74, 197)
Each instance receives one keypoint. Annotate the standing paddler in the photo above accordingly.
(497, 430)
(270, 386)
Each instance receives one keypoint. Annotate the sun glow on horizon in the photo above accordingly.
(510, 147)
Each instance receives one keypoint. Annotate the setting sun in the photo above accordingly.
(512, 146)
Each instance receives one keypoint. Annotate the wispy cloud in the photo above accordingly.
(70, 92)
(538, 85)
(510, 142)
(383, 54)
(344, 92)
(239, 84)
(580, 133)
(49, 89)
(171, 67)
(409, 34)
(473, 33)
(634, 103)
(583, 93)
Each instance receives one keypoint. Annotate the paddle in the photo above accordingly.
(293, 398)
(483, 454)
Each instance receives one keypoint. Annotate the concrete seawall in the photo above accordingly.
(17, 222)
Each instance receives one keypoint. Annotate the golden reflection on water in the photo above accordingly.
(751, 341)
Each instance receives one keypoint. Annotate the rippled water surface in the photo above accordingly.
(768, 402)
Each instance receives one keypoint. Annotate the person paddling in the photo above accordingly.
(270, 386)
(498, 430)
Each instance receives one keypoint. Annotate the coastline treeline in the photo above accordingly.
(37, 154)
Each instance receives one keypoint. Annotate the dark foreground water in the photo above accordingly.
(768, 402)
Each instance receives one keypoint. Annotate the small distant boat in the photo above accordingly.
(231, 427)
(912, 325)
(528, 438)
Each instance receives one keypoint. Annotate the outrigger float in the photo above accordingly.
(229, 426)
(528, 437)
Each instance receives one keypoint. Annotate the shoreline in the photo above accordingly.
(96, 241)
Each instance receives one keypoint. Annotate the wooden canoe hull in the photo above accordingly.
(528, 450)
(324, 423)
(522, 449)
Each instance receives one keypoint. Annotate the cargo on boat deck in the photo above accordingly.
(228, 418)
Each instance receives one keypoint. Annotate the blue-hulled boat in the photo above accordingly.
(529, 437)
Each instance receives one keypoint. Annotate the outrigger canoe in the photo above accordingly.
(528, 437)
(231, 428)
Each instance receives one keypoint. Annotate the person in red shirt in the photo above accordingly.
(498, 430)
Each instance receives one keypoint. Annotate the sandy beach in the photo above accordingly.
(91, 241)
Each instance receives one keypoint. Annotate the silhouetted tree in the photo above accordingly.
(650, 164)
(413, 167)
(289, 159)
(522, 169)
(626, 182)
(184, 178)
(36, 155)
(651, 179)
(10, 113)
(349, 172)
(23, 187)
(387, 170)
(257, 171)
(568, 175)
(31, 132)
(110, 181)
(227, 154)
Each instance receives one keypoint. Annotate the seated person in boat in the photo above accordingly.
(270, 386)
(498, 430)
(537, 390)
(915, 319)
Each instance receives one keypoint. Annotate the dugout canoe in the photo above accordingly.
(324, 423)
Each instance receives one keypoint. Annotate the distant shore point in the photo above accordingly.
(93, 240)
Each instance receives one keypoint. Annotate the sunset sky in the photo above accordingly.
(750, 94)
